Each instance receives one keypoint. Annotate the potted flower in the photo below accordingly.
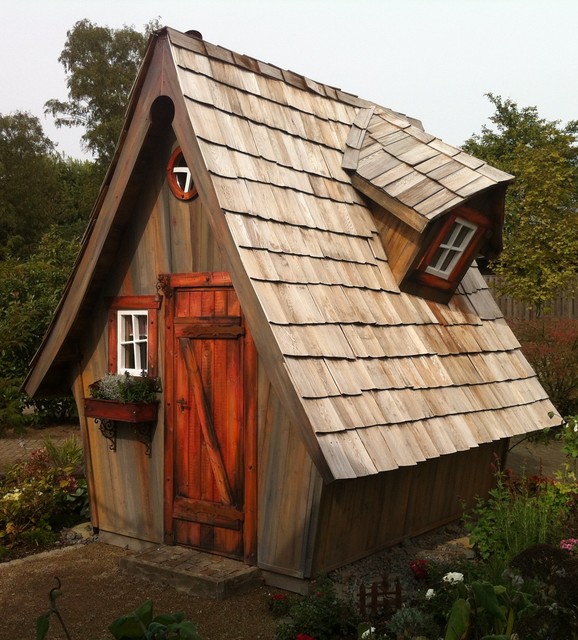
(123, 398)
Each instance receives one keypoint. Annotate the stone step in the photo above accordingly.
(194, 572)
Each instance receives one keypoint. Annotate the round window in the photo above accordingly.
(179, 177)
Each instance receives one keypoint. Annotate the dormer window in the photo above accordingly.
(451, 248)
(454, 245)
(435, 207)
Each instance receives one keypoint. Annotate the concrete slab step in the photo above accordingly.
(194, 572)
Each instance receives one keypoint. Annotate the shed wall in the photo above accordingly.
(164, 235)
(289, 489)
(362, 516)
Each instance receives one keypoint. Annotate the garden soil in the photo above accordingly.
(95, 592)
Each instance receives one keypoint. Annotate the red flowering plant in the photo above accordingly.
(419, 568)
(279, 604)
(551, 346)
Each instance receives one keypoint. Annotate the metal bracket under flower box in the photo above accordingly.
(108, 413)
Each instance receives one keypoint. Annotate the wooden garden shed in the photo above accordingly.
(297, 266)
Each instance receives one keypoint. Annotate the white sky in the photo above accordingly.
(431, 59)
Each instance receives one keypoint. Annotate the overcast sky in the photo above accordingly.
(431, 59)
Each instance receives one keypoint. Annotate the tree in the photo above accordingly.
(28, 180)
(101, 64)
(540, 255)
(29, 292)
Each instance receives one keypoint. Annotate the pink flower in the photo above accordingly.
(569, 544)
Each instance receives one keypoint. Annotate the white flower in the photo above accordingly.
(429, 594)
(453, 577)
(368, 633)
(576, 428)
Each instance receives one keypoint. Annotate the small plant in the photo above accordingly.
(279, 604)
(125, 388)
(141, 625)
(410, 622)
(138, 625)
(320, 615)
(520, 513)
(40, 496)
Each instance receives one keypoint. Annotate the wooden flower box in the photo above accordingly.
(134, 412)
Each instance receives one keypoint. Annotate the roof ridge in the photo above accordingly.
(217, 52)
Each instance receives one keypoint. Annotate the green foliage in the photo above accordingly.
(101, 65)
(67, 453)
(541, 225)
(126, 388)
(42, 495)
(29, 182)
(518, 514)
(29, 292)
(551, 346)
(412, 622)
(568, 435)
(141, 625)
(138, 625)
(320, 615)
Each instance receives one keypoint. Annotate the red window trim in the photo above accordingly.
(429, 279)
(175, 188)
(152, 305)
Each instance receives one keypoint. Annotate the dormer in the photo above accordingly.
(436, 207)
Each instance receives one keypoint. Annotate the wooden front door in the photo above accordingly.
(211, 431)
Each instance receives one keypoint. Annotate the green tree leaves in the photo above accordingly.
(101, 65)
(540, 254)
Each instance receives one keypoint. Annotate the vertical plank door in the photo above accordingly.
(211, 434)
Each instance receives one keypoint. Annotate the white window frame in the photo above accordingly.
(123, 343)
(451, 246)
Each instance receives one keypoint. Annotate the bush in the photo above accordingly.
(521, 513)
(320, 615)
(551, 346)
(42, 495)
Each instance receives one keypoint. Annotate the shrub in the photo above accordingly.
(40, 496)
(320, 615)
(551, 346)
(550, 574)
(520, 513)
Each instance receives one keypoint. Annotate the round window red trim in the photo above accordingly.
(177, 160)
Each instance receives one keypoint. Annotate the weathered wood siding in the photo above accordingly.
(360, 517)
(164, 235)
(289, 489)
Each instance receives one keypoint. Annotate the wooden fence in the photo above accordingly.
(564, 306)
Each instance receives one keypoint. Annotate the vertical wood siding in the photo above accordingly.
(163, 235)
(360, 517)
(288, 490)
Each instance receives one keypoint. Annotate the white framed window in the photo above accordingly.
(451, 248)
(133, 341)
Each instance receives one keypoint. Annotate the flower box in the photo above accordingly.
(134, 412)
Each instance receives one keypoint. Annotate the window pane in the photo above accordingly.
(142, 349)
(127, 331)
(128, 361)
(451, 248)
(132, 341)
(142, 327)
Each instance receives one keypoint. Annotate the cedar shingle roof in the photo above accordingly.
(418, 175)
(374, 378)
(386, 379)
